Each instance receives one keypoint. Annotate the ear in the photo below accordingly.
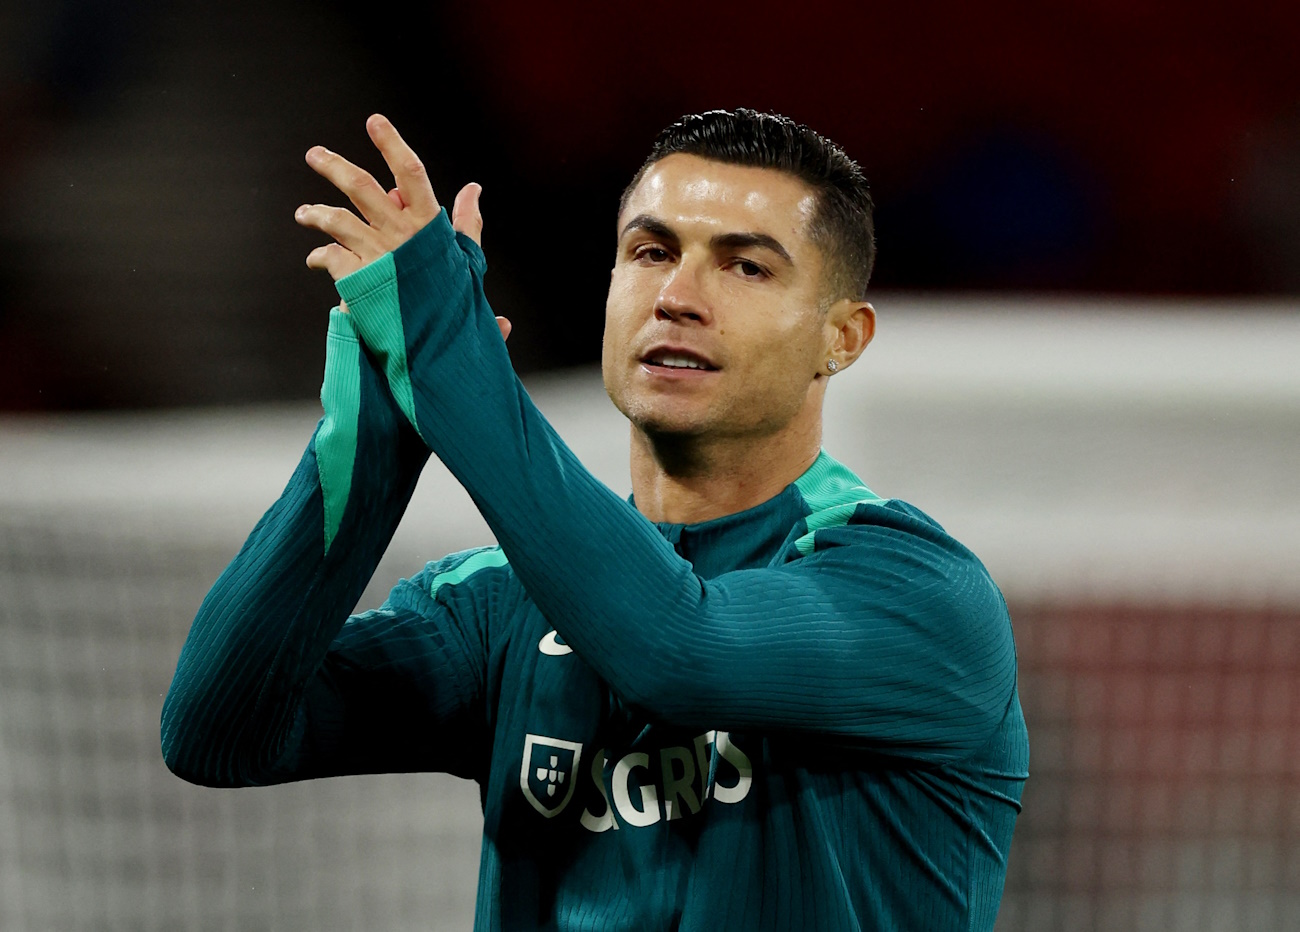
(850, 325)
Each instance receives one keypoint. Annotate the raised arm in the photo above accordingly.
(270, 686)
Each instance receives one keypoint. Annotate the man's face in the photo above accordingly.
(714, 323)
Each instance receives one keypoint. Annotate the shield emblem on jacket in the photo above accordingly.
(549, 773)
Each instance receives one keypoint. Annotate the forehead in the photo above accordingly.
(688, 191)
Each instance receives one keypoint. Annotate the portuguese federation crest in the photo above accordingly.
(549, 773)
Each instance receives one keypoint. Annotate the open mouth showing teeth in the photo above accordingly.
(677, 361)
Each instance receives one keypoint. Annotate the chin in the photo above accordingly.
(657, 415)
(662, 426)
(662, 421)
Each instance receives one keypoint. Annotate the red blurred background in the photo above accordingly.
(152, 158)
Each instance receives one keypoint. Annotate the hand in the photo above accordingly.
(391, 218)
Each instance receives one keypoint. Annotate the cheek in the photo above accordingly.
(611, 337)
(620, 300)
(619, 324)
(628, 303)
(788, 351)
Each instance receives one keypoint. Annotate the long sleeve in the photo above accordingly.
(880, 631)
(271, 686)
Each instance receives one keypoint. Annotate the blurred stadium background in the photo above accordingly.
(1088, 368)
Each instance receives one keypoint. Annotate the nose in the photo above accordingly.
(682, 296)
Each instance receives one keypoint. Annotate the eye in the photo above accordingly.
(652, 253)
(751, 270)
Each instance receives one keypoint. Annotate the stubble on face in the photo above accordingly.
(702, 279)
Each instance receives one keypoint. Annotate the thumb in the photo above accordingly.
(465, 215)
(505, 327)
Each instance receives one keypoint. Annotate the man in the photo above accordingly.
(760, 697)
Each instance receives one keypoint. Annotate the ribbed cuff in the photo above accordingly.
(341, 324)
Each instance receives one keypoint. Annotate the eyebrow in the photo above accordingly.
(657, 227)
(749, 240)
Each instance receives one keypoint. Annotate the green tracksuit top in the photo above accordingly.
(801, 716)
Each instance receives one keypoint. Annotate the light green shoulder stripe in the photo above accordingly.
(371, 294)
(336, 438)
(832, 493)
(479, 561)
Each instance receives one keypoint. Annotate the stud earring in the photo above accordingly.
(832, 365)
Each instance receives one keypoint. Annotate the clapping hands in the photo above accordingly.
(388, 219)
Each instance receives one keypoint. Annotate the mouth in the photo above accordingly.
(671, 359)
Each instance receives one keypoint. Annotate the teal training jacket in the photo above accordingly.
(801, 716)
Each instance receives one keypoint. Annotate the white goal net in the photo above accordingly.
(1128, 472)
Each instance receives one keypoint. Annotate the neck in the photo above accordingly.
(689, 479)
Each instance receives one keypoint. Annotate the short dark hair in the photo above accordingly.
(842, 225)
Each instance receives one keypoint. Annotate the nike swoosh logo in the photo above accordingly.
(552, 646)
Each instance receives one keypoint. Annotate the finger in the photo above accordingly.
(334, 259)
(408, 171)
(345, 226)
(358, 184)
(505, 328)
(396, 197)
(465, 214)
